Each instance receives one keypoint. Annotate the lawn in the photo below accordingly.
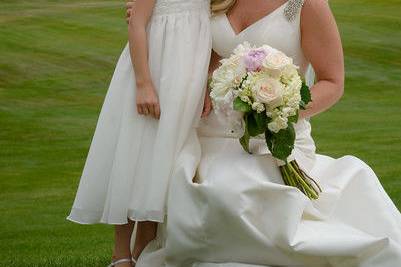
(56, 60)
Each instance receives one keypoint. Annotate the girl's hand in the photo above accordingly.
(147, 100)
(207, 105)
(129, 6)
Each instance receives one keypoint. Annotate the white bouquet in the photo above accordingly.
(261, 89)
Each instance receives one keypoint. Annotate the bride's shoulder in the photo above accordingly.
(305, 7)
(315, 7)
(316, 14)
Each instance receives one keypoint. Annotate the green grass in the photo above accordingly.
(56, 60)
(367, 122)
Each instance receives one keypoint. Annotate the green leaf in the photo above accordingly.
(294, 119)
(261, 121)
(281, 144)
(241, 105)
(252, 125)
(305, 96)
(244, 140)
(256, 123)
(269, 139)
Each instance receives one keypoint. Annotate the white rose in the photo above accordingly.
(232, 69)
(268, 91)
(276, 61)
(220, 81)
(242, 49)
(278, 124)
(268, 49)
(223, 80)
(288, 73)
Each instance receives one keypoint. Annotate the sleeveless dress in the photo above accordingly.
(230, 209)
(132, 156)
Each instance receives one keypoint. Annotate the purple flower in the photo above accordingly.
(254, 59)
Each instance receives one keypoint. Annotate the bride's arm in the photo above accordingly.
(322, 46)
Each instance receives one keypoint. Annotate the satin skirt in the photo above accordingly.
(231, 209)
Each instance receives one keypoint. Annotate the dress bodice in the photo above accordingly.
(163, 7)
(279, 29)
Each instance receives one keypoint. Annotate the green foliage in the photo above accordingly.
(257, 123)
(306, 96)
(244, 140)
(293, 119)
(281, 144)
(242, 106)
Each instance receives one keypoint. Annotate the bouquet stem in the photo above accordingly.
(294, 176)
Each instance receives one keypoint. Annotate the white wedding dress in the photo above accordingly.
(131, 157)
(238, 213)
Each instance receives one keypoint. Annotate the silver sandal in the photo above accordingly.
(117, 262)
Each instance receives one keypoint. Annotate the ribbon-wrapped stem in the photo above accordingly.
(294, 176)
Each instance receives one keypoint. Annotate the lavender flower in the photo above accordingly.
(254, 59)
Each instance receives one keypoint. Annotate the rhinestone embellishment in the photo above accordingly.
(292, 9)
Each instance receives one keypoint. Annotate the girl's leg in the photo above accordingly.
(146, 232)
(122, 236)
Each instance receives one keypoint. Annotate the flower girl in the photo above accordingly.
(154, 100)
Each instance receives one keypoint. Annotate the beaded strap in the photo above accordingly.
(292, 9)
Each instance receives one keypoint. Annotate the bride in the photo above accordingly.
(232, 209)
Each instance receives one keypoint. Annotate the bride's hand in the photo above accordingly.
(207, 105)
(130, 5)
(147, 100)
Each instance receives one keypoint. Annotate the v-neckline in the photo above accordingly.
(236, 34)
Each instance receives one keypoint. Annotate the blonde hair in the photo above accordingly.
(221, 6)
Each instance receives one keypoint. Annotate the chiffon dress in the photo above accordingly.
(131, 157)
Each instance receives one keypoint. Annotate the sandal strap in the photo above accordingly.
(117, 262)
(133, 260)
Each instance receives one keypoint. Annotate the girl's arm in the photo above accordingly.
(214, 64)
(321, 45)
(146, 96)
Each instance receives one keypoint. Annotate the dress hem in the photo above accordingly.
(87, 217)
